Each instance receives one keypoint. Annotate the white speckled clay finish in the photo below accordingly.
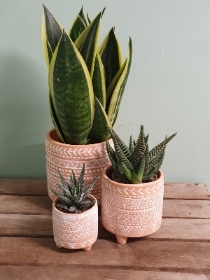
(131, 210)
(75, 231)
(65, 157)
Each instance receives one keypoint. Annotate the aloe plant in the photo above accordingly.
(86, 82)
(135, 164)
(73, 198)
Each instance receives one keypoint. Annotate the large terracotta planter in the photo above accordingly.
(131, 210)
(75, 231)
(65, 157)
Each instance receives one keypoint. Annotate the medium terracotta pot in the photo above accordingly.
(75, 231)
(131, 210)
(65, 157)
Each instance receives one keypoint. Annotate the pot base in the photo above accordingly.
(121, 239)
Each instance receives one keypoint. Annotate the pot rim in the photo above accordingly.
(50, 139)
(131, 185)
(76, 214)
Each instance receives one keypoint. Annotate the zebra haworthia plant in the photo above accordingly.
(73, 198)
(86, 82)
(135, 164)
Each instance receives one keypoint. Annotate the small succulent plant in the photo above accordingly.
(136, 164)
(74, 197)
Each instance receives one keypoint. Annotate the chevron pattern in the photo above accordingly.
(75, 231)
(134, 211)
(65, 157)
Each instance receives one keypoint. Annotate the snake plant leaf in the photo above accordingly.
(98, 81)
(81, 14)
(55, 120)
(111, 56)
(113, 84)
(72, 91)
(88, 19)
(119, 89)
(100, 129)
(77, 28)
(87, 42)
(51, 34)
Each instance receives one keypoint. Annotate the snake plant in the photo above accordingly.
(135, 164)
(73, 198)
(86, 81)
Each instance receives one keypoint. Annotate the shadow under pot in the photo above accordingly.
(131, 210)
(75, 230)
(65, 157)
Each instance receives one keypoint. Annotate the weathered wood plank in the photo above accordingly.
(39, 187)
(186, 208)
(39, 205)
(56, 272)
(41, 225)
(186, 191)
(168, 256)
(23, 186)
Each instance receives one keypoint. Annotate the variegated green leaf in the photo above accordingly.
(111, 56)
(55, 120)
(81, 14)
(100, 129)
(98, 81)
(72, 91)
(51, 34)
(87, 42)
(77, 28)
(119, 89)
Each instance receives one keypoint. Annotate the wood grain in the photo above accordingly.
(186, 208)
(168, 256)
(186, 191)
(39, 187)
(36, 205)
(41, 205)
(23, 186)
(56, 272)
(41, 226)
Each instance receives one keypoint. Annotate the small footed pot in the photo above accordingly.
(77, 230)
(131, 210)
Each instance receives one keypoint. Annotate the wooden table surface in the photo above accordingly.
(180, 249)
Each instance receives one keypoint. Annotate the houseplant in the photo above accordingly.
(86, 84)
(75, 213)
(133, 187)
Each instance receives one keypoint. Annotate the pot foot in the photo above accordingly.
(88, 248)
(121, 239)
(58, 246)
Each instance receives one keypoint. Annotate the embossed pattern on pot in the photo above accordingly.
(133, 210)
(75, 231)
(64, 157)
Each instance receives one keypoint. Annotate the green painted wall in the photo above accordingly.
(168, 88)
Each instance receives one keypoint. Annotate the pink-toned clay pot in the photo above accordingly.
(75, 231)
(131, 210)
(65, 157)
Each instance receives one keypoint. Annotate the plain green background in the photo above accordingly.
(168, 89)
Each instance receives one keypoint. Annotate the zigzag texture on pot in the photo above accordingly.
(75, 231)
(65, 157)
(132, 210)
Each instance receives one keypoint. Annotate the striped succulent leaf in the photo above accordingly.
(136, 164)
(74, 197)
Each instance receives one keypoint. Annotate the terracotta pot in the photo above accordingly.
(131, 210)
(75, 231)
(65, 157)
